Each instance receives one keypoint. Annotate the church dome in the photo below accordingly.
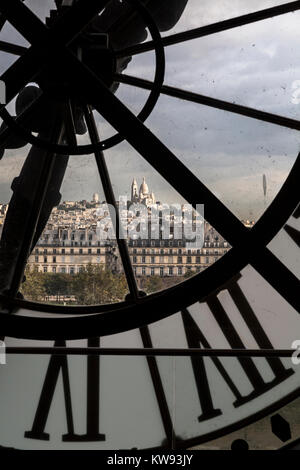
(144, 187)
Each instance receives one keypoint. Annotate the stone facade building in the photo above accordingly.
(69, 251)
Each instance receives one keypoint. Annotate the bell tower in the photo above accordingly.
(134, 191)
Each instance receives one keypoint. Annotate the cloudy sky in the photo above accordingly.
(254, 65)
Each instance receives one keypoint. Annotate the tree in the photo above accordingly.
(96, 285)
(33, 288)
(151, 284)
(57, 284)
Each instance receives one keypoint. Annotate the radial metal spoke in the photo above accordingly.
(69, 121)
(279, 277)
(22, 19)
(3, 20)
(110, 199)
(212, 102)
(34, 211)
(213, 28)
(14, 49)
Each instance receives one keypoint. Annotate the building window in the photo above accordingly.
(170, 271)
(135, 259)
(179, 259)
(189, 259)
(36, 259)
(89, 251)
(54, 259)
(45, 269)
(143, 259)
(54, 269)
(197, 259)
(161, 271)
(45, 251)
(143, 271)
(98, 251)
(72, 251)
(80, 251)
(63, 270)
(207, 260)
(152, 271)
(72, 270)
(179, 270)
(45, 259)
(152, 259)
(63, 251)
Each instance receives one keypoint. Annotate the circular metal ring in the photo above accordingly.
(117, 138)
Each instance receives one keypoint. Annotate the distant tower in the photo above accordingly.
(134, 191)
(96, 197)
(144, 187)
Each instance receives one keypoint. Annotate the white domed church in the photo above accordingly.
(141, 195)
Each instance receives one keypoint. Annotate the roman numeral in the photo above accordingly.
(59, 364)
(158, 388)
(196, 338)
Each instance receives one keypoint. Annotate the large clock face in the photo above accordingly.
(247, 300)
